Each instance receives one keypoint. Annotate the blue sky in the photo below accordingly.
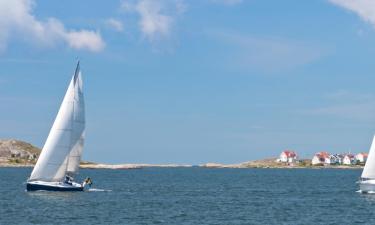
(177, 81)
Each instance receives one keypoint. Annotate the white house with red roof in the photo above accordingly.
(287, 156)
(321, 158)
(361, 157)
(349, 159)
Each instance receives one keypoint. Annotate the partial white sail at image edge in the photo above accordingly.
(369, 170)
(64, 144)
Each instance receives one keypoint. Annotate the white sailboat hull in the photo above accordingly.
(367, 186)
(53, 186)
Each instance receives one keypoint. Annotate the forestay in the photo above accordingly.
(62, 151)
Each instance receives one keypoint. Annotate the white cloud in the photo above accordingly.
(152, 19)
(266, 53)
(364, 8)
(18, 22)
(157, 17)
(115, 24)
(347, 105)
(227, 2)
(85, 39)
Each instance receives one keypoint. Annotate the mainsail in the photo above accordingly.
(62, 151)
(369, 170)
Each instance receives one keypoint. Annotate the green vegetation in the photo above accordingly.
(305, 163)
(16, 161)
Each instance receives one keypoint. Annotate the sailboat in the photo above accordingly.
(59, 160)
(367, 182)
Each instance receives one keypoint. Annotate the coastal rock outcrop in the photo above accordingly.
(15, 151)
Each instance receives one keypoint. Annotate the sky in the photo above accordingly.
(190, 82)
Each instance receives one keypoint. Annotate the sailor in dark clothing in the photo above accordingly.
(68, 180)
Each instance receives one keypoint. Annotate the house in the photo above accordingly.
(287, 157)
(32, 156)
(349, 159)
(330, 160)
(335, 159)
(321, 158)
(361, 157)
(339, 158)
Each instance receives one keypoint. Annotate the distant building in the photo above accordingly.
(361, 157)
(330, 160)
(287, 157)
(349, 159)
(32, 156)
(321, 158)
(339, 158)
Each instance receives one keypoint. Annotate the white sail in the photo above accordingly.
(62, 151)
(369, 170)
(75, 157)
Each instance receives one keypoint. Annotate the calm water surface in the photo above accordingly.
(193, 196)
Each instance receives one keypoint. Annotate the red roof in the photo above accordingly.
(322, 154)
(364, 154)
(289, 154)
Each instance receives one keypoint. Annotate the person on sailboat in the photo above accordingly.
(87, 181)
(68, 180)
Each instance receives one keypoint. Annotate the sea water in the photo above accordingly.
(192, 196)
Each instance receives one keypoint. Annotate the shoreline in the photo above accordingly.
(246, 165)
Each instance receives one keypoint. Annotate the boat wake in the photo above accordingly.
(365, 192)
(98, 190)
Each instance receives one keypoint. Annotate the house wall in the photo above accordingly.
(315, 160)
(329, 161)
(361, 158)
(349, 161)
(283, 157)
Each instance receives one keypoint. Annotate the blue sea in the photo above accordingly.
(192, 196)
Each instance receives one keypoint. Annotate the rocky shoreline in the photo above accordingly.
(265, 164)
(16, 153)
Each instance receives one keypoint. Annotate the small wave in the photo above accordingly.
(365, 192)
(98, 190)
